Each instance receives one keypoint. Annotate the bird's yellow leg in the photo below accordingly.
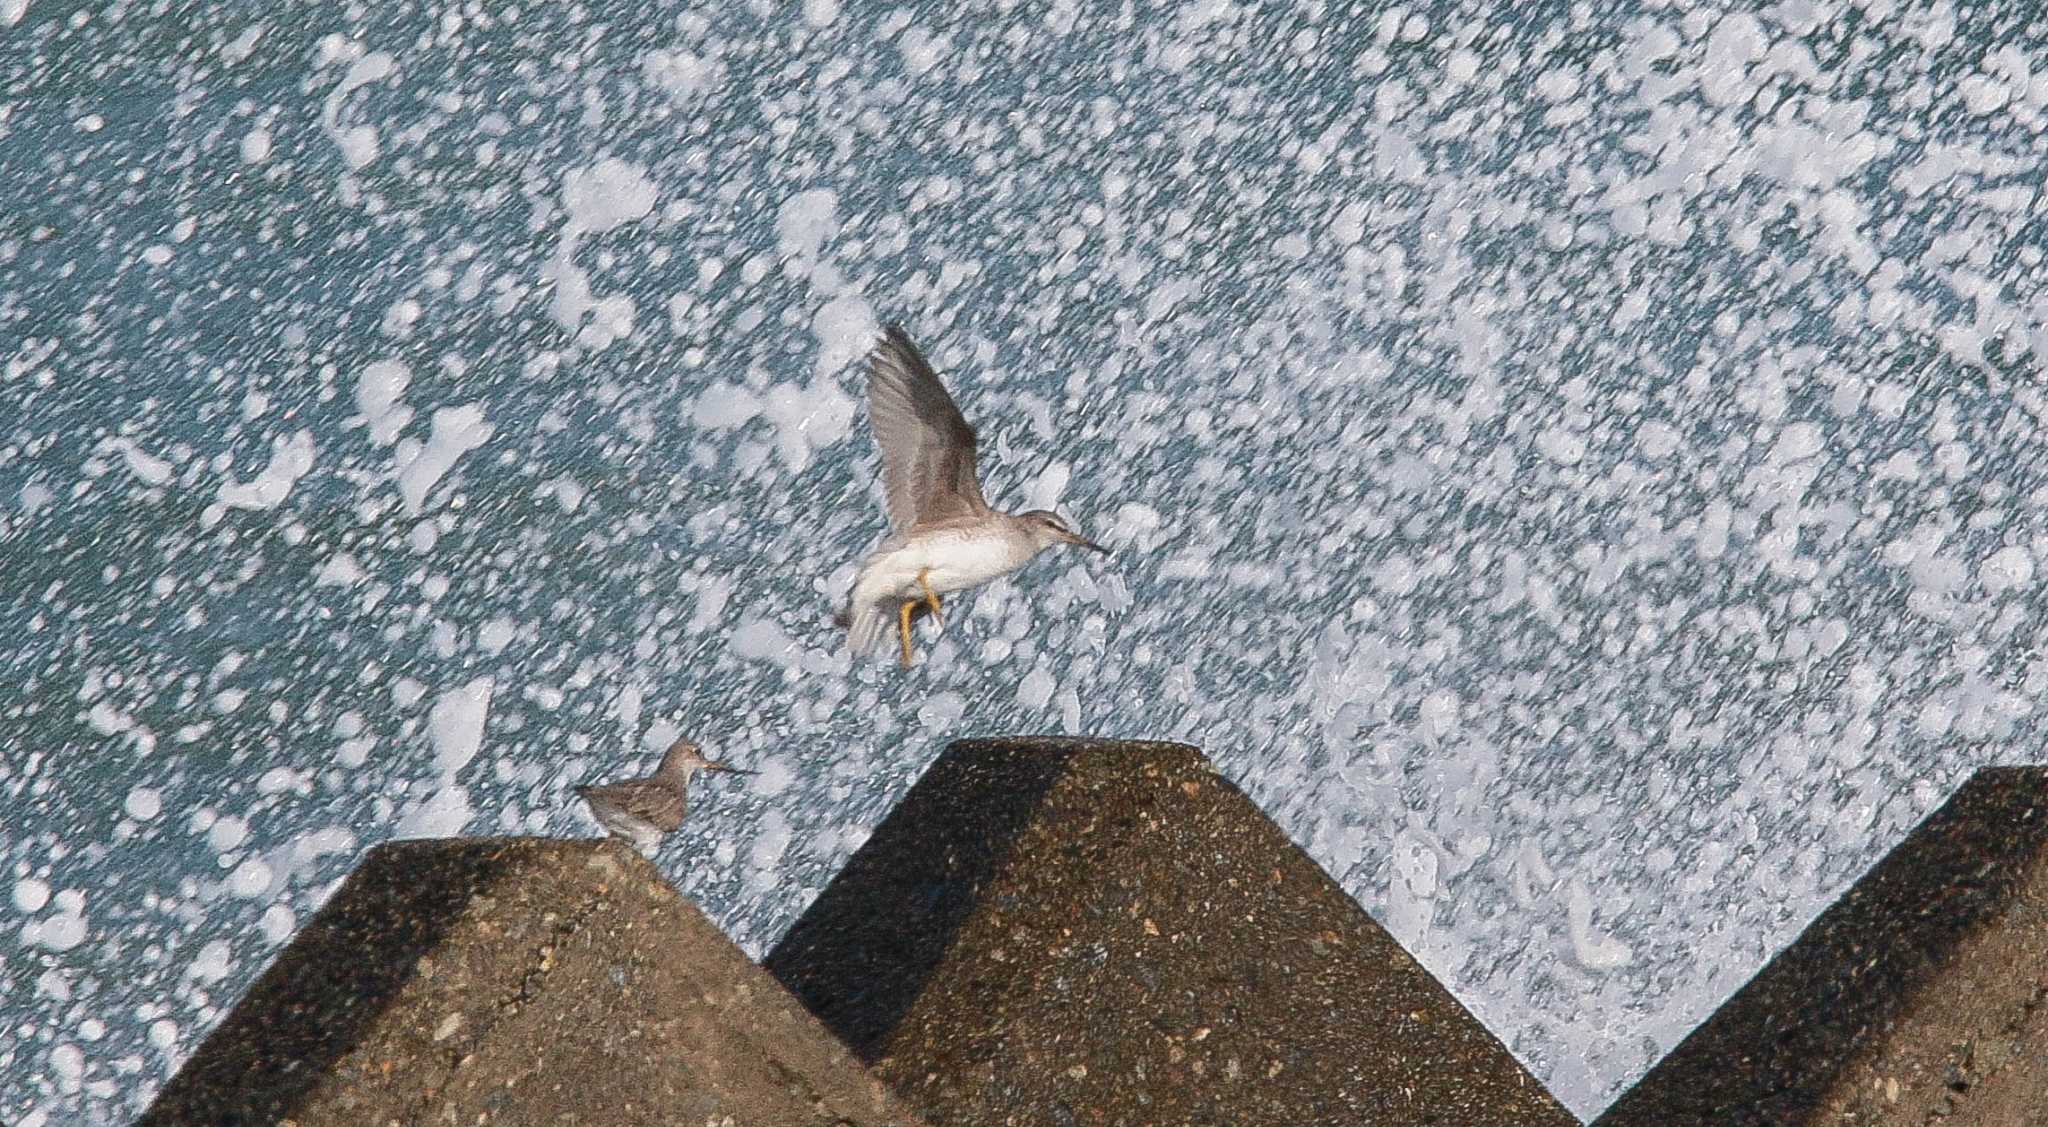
(931, 597)
(908, 606)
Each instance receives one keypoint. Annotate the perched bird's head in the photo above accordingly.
(1051, 528)
(685, 757)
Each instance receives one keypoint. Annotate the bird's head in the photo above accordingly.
(685, 757)
(1050, 528)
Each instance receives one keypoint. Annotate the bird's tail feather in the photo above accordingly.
(866, 625)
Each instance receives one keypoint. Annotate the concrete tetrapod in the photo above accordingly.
(517, 981)
(1104, 932)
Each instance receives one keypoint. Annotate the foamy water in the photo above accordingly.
(1582, 473)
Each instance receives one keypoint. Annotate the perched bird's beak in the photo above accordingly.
(1079, 541)
(714, 765)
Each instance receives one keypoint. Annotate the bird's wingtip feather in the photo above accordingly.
(892, 338)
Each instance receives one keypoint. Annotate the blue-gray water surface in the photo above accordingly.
(1580, 470)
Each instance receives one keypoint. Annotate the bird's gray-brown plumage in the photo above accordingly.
(643, 811)
(928, 450)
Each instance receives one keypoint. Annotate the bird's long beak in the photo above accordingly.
(714, 765)
(1079, 541)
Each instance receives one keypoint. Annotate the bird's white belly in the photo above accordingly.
(948, 565)
(645, 837)
(970, 563)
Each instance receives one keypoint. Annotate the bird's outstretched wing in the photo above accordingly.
(928, 468)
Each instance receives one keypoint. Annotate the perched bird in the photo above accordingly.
(944, 536)
(643, 811)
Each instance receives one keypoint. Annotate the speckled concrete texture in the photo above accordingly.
(518, 981)
(1102, 932)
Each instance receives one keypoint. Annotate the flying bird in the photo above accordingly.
(944, 537)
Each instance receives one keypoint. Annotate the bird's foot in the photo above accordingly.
(903, 622)
(931, 597)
